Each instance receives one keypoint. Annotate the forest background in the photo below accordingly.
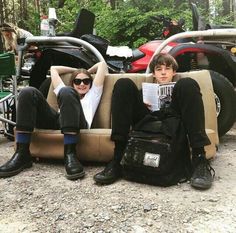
(122, 22)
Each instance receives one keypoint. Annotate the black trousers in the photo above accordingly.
(128, 109)
(34, 111)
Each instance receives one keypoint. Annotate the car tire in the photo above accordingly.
(225, 102)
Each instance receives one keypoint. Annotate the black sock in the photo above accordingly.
(119, 150)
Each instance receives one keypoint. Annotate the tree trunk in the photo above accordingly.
(177, 3)
(113, 4)
(1, 12)
(233, 7)
(37, 6)
(226, 7)
(5, 11)
(204, 4)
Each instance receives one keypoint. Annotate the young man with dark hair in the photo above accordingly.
(128, 109)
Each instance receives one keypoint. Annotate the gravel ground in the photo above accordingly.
(42, 200)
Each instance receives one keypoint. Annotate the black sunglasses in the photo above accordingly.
(86, 81)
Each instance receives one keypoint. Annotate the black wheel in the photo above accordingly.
(225, 98)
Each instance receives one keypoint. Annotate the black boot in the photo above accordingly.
(113, 171)
(20, 160)
(202, 177)
(110, 174)
(73, 167)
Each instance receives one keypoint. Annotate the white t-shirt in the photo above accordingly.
(89, 102)
(23, 33)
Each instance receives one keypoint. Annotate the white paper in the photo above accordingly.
(156, 94)
(150, 95)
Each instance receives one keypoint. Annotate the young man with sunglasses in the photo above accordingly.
(77, 106)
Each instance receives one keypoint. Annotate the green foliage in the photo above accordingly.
(33, 23)
(67, 16)
(216, 17)
(129, 24)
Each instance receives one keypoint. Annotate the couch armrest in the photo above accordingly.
(203, 78)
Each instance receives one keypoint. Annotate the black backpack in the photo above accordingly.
(157, 152)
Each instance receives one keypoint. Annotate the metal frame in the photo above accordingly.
(7, 100)
(3, 101)
(56, 42)
(206, 33)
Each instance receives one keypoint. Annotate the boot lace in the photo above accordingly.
(113, 165)
(204, 168)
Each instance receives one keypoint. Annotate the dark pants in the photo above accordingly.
(34, 111)
(128, 109)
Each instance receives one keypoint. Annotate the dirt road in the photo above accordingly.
(42, 200)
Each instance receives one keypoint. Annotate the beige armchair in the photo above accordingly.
(95, 144)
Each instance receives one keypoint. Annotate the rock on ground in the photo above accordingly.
(42, 200)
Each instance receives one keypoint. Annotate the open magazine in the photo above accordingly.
(157, 94)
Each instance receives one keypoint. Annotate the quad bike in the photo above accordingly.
(214, 56)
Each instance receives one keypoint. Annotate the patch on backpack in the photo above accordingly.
(151, 159)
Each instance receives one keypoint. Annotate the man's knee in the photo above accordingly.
(27, 93)
(124, 85)
(66, 93)
(187, 85)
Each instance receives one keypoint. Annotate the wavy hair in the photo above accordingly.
(10, 43)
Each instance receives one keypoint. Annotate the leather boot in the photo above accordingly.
(110, 174)
(20, 160)
(74, 169)
(113, 170)
(203, 173)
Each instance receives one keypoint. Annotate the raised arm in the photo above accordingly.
(56, 71)
(100, 70)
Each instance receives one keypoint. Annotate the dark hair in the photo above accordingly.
(163, 59)
(80, 71)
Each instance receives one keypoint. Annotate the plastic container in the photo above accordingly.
(44, 26)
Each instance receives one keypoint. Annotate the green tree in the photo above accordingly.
(132, 24)
(122, 22)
